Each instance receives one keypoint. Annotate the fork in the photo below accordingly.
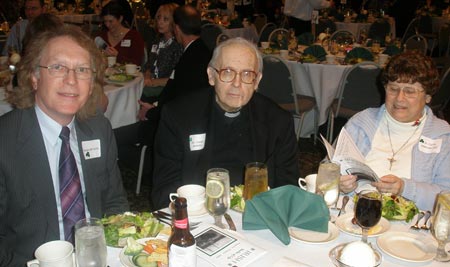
(162, 217)
(419, 217)
(427, 217)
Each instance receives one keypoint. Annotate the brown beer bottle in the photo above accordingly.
(181, 244)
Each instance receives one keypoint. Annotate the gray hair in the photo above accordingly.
(234, 41)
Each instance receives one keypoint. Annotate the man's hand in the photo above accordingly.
(390, 184)
(348, 183)
(143, 110)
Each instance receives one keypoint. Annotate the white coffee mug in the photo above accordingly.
(330, 59)
(194, 194)
(132, 69)
(284, 54)
(111, 61)
(310, 181)
(382, 59)
(265, 45)
(58, 253)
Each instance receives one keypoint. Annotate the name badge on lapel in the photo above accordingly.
(197, 141)
(125, 43)
(428, 145)
(91, 149)
(154, 48)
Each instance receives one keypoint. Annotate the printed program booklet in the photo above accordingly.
(349, 157)
(224, 249)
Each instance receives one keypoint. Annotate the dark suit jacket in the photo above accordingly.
(28, 212)
(190, 75)
(272, 135)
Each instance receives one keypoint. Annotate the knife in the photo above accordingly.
(230, 221)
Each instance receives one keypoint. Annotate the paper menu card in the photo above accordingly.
(349, 157)
(223, 249)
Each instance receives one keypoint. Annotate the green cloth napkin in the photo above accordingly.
(359, 52)
(317, 51)
(285, 206)
(392, 50)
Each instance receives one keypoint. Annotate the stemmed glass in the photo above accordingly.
(440, 225)
(368, 210)
(327, 183)
(217, 194)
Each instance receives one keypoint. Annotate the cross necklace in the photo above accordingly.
(392, 159)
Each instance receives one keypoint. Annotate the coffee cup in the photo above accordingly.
(382, 59)
(331, 59)
(284, 54)
(308, 183)
(58, 253)
(265, 45)
(194, 194)
(132, 69)
(111, 61)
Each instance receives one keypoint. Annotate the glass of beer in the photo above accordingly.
(256, 179)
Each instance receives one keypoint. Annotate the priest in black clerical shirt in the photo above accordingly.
(226, 125)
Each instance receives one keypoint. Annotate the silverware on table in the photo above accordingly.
(419, 217)
(166, 218)
(230, 221)
(344, 203)
(425, 222)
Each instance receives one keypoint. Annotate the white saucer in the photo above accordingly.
(313, 237)
(344, 223)
(198, 213)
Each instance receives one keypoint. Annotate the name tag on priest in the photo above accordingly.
(428, 145)
(91, 149)
(125, 43)
(197, 141)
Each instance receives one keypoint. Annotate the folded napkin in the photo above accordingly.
(359, 52)
(392, 50)
(285, 206)
(317, 51)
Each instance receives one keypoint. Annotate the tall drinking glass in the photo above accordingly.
(440, 225)
(327, 183)
(90, 244)
(256, 179)
(368, 210)
(217, 194)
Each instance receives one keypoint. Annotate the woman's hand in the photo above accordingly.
(390, 184)
(148, 81)
(143, 110)
(348, 183)
(111, 51)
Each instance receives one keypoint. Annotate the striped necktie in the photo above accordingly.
(72, 204)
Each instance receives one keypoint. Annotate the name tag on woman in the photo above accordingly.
(125, 43)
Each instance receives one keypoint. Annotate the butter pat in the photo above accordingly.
(358, 254)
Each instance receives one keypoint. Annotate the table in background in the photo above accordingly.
(123, 99)
(311, 254)
(357, 27)
(79, 19)
(249, 33)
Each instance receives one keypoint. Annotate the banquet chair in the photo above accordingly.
(277, 84)
(421, 25)
(259, 22)
(343, 36)
(221, 38)
(442, 97)
(209, 33)
(417, 42)
(444, 41)
(279, 38)
(265, 32)
(358, 89)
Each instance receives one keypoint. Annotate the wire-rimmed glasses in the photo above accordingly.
(228, 75)
(61, 71)
(409, 91)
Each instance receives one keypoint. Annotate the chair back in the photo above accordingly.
(417, 42)
(342, 37)
(279, 38)
(359, 89)
(265, 32)
(221, 38)
(277, 83)
(444, 40)
(209, 34)
(260, 21)
(442, 97)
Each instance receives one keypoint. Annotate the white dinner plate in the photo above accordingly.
(344, 223)
(127, 260)
(407, 246)
(313, 237)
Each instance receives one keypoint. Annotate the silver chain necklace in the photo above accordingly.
(392, 159)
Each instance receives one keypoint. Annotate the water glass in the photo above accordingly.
(256, 179)
(440, 225)
(327, 183)
(217, 194)
(90, 244)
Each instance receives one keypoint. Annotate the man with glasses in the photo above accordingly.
(226, 125)
(58, 156)
(406, 145)
(32, 8)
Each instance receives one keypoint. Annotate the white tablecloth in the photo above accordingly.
(248, 33)
(325, 80)
(4, 106)
(123, 99)
(315, 255)
(356, 27)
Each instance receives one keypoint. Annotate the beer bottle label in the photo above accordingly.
(181, 224)
(182, 256)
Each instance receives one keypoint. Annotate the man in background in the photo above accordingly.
(300, 13)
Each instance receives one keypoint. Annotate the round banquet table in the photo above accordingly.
(123, 99)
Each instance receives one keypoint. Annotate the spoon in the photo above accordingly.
(344, 203)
